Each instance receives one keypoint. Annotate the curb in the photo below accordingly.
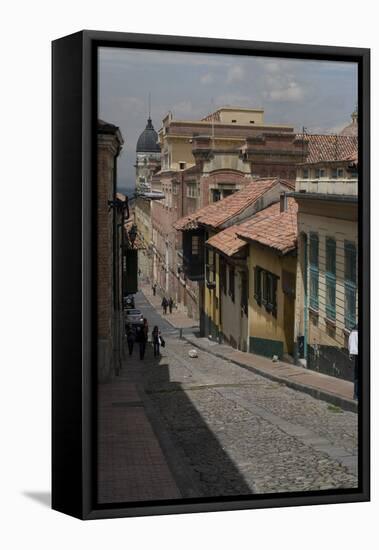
(333, 399)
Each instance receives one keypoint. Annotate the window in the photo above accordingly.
(320, 173)
(330, 278)
(192, 190)
(182, 165)
(337, 173)
(350, 284)
(313, 270)
(234, 121)
(195, 245)
(216, 195)
(258, 285)
(305, 173)
(252, 121)
(231, 283)
(174, 188)
(244, 291)
(265, 289)
(223, 275)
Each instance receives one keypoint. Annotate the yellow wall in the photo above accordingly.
(262, 324)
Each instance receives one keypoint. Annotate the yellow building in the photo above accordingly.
(327, 297)
(272, 238)
(228, 128)
(222, 271)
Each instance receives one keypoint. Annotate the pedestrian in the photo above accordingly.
(154, 287)
(131, 337)
(353, 352)
(170, 304)
(145, 329)
(156, 337)
(141, 339)
(164, 304)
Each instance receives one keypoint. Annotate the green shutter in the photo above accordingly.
(350, 284)
(257, 285)
(313, 270)
(330, 278)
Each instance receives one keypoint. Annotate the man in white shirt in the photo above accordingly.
(353, 351)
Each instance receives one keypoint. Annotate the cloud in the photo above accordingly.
(235, 73)
(290, 92)
(207, 78)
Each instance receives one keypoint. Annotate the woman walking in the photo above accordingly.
(156, 336)
(131, 337)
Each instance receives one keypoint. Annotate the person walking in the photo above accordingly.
(146, 329)
(156, 336)
(131, 337)
(164, 304)
(141, 339)
(154, 287)
(353, 352)
(170, 304)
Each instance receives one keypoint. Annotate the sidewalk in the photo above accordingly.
(178, 319)
(131, 464)
(321, 386)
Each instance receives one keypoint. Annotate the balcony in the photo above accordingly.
(328, 186)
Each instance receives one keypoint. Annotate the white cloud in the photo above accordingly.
(207, 78)
(235, 74)
(289, 92)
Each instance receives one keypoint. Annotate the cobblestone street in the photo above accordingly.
(223, 430)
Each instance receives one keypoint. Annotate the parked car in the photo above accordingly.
(129, 302)
(133, 317)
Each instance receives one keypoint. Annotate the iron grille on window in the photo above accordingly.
(265, 289)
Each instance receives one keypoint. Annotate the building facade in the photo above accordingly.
(109, 253)
(327, 276)
(148, 160)
(203, 162)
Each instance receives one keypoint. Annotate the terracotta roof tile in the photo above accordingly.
(324, 147)
(227, 241)
(272, 228)
(219, 212)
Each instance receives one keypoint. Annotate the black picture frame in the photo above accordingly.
(74, 90)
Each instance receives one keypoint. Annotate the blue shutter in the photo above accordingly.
(313, 270)
(330, 278)
(350, 284)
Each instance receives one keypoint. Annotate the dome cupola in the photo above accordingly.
(148, 140)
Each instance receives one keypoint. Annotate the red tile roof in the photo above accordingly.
(219, 212)
(272, 228)
(324, 147)
(227, 241)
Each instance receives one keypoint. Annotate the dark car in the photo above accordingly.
(133, 317)
(129, 302)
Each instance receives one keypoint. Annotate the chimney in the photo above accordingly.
(283, 201)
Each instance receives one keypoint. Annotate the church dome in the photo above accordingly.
(148, 140)
(352, 128)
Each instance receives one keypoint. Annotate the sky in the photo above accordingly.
(319, 95)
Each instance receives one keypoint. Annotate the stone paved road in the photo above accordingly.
(226, 430)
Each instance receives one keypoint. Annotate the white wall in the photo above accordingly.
(27, 29)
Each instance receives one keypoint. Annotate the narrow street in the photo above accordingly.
(207, 427)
